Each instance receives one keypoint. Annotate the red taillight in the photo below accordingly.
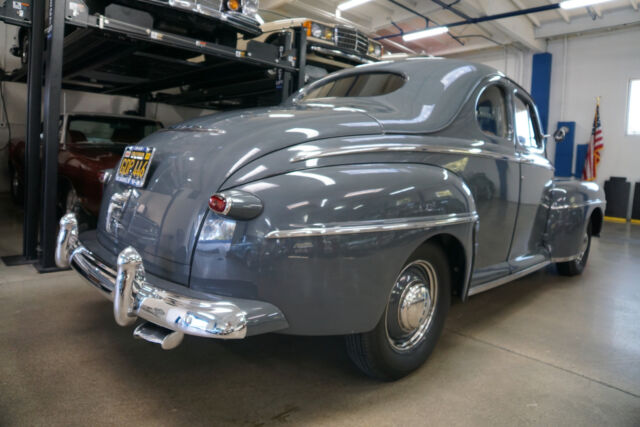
(218, 204)
(236, 204)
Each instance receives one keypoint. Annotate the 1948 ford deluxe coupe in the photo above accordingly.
(357, 208)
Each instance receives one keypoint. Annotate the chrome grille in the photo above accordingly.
(352, 39)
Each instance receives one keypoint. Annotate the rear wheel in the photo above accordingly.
(576, 266)
(413, 319)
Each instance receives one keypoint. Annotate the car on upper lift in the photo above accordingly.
(330, 47)
(90, 144)
(216, 21)
(359, 207)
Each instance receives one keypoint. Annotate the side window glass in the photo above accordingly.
(491, 112)
(525, 134)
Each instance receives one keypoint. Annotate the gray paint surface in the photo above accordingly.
(417, 152)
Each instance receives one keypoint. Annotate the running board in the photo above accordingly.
(506, 279)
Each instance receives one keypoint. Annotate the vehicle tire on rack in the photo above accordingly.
(576, 266)
(413, 319)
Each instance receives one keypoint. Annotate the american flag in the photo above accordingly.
(595, 145)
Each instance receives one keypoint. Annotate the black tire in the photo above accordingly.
(16, 188)
(576, 266)
(373, 352)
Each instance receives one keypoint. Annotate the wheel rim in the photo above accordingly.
(583, 247)
(411, 306)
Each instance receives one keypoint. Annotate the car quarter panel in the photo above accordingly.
(488, 169)
(571, 205)
(330, 241)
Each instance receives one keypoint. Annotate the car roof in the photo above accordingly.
(434, 91)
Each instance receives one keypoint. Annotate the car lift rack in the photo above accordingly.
(105, 55)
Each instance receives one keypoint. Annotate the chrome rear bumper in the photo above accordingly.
(133, 296)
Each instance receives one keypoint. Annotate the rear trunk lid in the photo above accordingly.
(191, 162)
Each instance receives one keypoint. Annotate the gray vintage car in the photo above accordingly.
(360, 208)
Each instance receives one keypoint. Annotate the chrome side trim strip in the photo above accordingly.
(374, 226)
(506, 279)
(379, 148)
(564, 259)
(578, 205)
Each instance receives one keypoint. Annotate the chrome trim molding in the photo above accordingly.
(506, 279)
(67, 240)
(182, 128)
(336, 52)
(381, 148)
(564, 259)
(133, 296)
(375, 226)
(578, 205)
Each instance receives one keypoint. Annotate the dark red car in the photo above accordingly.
(90, 143)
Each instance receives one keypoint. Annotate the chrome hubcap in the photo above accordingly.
(411, 305)
(583, 247)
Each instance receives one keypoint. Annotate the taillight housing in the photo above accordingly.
(236, 204)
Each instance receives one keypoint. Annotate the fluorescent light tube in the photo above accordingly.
(573, 4)
(351, 3)
(435, 31)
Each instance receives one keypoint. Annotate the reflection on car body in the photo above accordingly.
(351, 209)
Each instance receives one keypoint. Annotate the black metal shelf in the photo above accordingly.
(105, 55)
(99, 54)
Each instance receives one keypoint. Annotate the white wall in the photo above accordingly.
(599, 64)
(514, 63)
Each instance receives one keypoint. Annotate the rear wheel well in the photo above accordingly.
(596, 222)
(457, 260)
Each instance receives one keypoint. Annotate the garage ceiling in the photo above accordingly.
(526, 31)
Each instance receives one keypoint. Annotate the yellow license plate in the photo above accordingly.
(134, 165)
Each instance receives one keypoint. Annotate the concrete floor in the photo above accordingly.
(545, 350)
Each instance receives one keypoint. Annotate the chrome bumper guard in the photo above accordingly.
(134, 297)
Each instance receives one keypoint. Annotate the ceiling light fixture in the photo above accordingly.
(430, 32)
(573, 4)
(351, 3)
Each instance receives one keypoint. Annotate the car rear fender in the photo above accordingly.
(571, 205)
(330, 241)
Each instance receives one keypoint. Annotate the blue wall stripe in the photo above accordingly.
(541, 85)
(564, 151)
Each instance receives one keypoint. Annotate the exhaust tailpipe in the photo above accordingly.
(156, 334)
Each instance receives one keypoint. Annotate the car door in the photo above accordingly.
(494, 179)
(536, 174)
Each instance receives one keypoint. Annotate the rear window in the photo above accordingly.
(358, 85)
